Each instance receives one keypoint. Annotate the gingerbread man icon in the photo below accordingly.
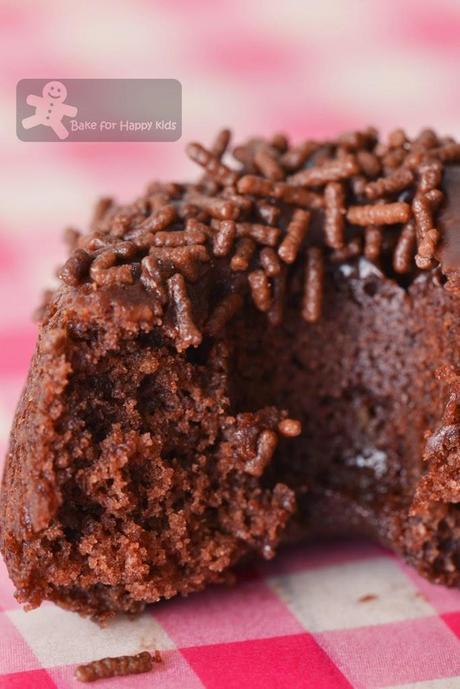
(50, 109)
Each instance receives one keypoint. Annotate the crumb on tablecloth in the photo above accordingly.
(117, 667)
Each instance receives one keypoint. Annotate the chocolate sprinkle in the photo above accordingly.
(221, 143)
(75, 268)
(297, 156)
(103, 270)
(117, 667)
(211, 164)
(330, 171)
(267, 164)
(397, 181)
(369, 163)
(373, 240)
(160, 220)
(367, 197)
(270, 262)
(260, 289)
(263, 234)
(188, 332)
(224, 239)
(250, 184)
(296, 231)
(314, 277)
(223, 313)
(380, 214)
(404, 251)
(334, 220)
(244, 250)
(268, 213)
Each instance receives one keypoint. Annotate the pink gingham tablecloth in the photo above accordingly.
(336, 616)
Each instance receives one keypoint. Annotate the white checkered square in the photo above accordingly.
(59, 637)
(446, 683)
(354, 594)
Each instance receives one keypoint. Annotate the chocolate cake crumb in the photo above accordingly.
(120, 666)
(266, 445)
(368, 598)
(290, 428)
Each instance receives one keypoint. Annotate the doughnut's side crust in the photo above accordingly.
(226, 513)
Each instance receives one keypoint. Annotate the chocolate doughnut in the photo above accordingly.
(266, 355)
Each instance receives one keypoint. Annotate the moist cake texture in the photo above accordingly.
(268, 354)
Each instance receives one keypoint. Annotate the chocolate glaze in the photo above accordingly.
(449, 221)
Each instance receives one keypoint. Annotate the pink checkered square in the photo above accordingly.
(452, 619)
(441, 598)
(397, 653)
(34, 679)
(15, 653)
(249, 611)
(7, 599)
(284, 662)
(316, 556)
